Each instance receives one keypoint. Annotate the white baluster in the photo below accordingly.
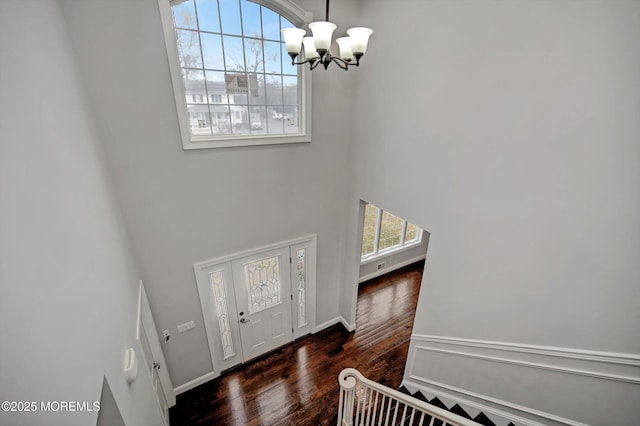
(386, 422)
(375, 408)
(421, 419)
(395, 413)
(347, 390)
(413, 413)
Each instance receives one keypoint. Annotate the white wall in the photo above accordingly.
(509, 130)
(184, 207)
(68, 284)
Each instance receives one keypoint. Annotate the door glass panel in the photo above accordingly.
(263, 284)
(302, 285)
(216, 278)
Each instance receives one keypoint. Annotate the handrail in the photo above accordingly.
(364, 402)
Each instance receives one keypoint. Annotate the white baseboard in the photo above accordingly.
(345, 324)
(194, 383)
(336, 320)
(211, 375)
(391, 268)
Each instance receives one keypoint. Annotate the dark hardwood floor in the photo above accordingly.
(298, 384)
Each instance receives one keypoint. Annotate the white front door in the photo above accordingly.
(262, 286)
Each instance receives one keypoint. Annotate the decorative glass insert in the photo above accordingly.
(263, 284)
(301, 268)
(216, 278)
(237, 76)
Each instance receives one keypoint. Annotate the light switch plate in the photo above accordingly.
(186, 326)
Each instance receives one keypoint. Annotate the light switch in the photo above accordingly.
(186, 326)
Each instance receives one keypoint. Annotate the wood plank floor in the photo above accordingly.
(298, 384)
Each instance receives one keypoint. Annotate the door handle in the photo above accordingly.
(244, 320)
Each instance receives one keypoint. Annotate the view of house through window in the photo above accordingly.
(237, 76)
(384, 232)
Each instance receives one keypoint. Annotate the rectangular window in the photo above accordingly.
(384, 232)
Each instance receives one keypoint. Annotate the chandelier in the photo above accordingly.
(317, 49)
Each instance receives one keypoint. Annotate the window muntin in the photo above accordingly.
(370, 231)
(384, 232)
(238, 81)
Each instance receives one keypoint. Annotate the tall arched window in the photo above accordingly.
(233, 80)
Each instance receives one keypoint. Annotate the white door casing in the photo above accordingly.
(152, 356)
(224, 294)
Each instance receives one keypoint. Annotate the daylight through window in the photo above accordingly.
(384, 232)
(237, 77)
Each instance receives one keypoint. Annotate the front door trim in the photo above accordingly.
(202, 271)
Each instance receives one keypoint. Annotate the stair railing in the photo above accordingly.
(364, 402)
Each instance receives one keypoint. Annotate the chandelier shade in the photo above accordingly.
(359, 39)
(310, 51)
(317, 47)
(293, 39)
(346, 53)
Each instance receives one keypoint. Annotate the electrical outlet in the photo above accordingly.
(186, 326)
(166, 336)
(381, 265)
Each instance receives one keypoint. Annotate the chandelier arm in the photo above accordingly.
(341, 63)
(293, 62)
(314, 64)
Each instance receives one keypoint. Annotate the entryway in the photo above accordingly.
(256, 301)
(298, 384)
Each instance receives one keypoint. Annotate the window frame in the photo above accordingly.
(290, 11)
(402, 246)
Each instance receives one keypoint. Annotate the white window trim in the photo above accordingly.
(297, 16)
(392, 250)
(402, 246)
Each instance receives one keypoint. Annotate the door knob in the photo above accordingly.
(244, 320)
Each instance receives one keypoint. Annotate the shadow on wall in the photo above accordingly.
(109, 414)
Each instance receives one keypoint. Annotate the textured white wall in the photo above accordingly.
(184, 207)
(510, 131)
(68, 284)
